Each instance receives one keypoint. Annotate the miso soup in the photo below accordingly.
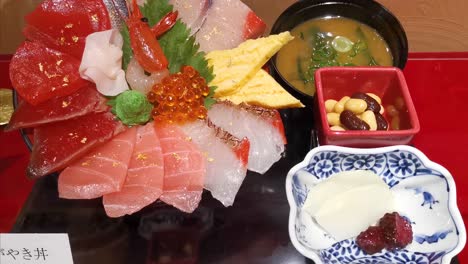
(334, 41)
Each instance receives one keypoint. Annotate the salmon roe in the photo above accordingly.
(179, 97)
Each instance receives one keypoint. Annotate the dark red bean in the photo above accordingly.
(382, 123)
(352, 122)
(372, 104)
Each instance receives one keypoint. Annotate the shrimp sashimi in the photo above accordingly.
(100, 172)
(144, 182)
(263, 127)
(145, 46)
(226, 156)
(141, 82)
(184, 168)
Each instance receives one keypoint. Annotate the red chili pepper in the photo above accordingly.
(165, 23)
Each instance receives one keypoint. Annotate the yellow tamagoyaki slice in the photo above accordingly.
(235, 67)
(263, 90)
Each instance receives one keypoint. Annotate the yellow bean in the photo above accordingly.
(333, 119)
(339, 107)
(392, 111)
(329, 105)
(337, 128)
(369, 117)
(356, 106)
(376, 97)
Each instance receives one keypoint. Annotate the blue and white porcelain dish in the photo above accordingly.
(425, 194)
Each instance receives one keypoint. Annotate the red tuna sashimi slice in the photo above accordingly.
(64, 24)
(101, 171)
(263, 127)
(226, 159)
(228, 24)
(82, 102)
(192, 12)
(39, 73)
(144, 182)
(58, 144)
(184, 168)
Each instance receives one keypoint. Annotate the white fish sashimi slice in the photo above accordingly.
(192, 12)
(263, 127)
(226, 159)
(228, 23)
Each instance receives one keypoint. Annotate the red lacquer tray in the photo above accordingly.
(438, 84)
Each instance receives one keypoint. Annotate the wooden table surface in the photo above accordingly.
(431, 25)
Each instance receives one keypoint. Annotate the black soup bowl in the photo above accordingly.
(367, 12)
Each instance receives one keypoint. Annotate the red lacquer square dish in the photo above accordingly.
(386, 82)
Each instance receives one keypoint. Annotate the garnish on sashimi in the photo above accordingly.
(179, 97)
(58, 144)
(144, 182)
(226, 158)
(132, 108)
(158, 82)
(99, 172)
(184, 168)
(39, 73)
(102, 62)
(84, 101)
(64, 24)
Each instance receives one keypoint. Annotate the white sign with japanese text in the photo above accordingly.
(35, 249)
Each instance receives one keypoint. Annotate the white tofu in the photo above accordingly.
(348, 203)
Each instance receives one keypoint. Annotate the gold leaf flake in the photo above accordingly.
(83, 140)
(188, 139)
(94, 18)
(176, 156)
(210, 159)
(69, 25)
(65, 79)
(65, 104)
(59, 62)
(62, 40)
(115, 164)
(50, 75)
(75, 39)
(141, 156)
(86, 163)
(41, 68)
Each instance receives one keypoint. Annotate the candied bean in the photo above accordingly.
(329, 105)
(372, 104)
(382, 123)
(337, 128)
(369, 117)
(339, 107)
(333, 119)
(352, 122)
(356, 106)
(376, 97)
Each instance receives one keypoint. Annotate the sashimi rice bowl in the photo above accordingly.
(148, 100)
